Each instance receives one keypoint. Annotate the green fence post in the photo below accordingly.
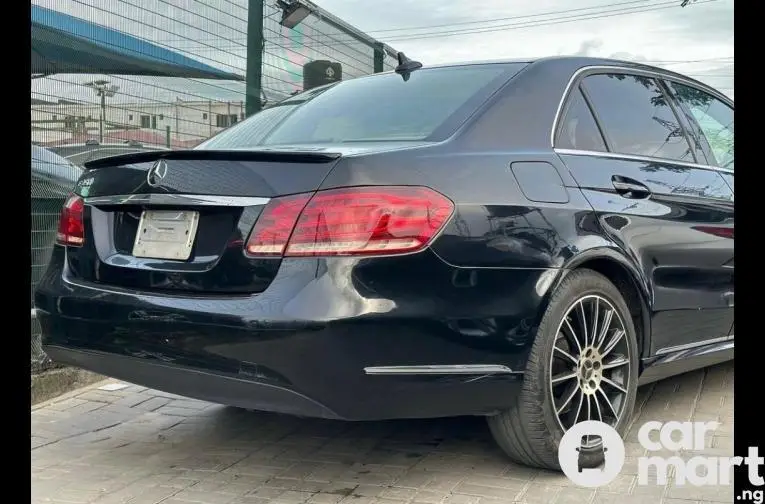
(254, 56)
(379, 58)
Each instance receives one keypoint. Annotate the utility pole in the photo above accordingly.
(254, 56)
(379, 58)
(103, 89)
(177, 116)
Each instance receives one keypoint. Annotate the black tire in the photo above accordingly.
(529, 432)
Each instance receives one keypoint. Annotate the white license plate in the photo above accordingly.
(166, 234)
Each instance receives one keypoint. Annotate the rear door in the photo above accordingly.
(713, 120)
(656, 197)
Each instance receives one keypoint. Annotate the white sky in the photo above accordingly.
(701, 31)
(658, 32)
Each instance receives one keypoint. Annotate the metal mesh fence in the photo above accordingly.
(286, 51)
(87, 106)
(180, 112)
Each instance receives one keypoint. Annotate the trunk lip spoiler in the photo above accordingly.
(215, 155)
(157, 199)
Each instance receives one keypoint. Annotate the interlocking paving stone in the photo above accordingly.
(140, 446)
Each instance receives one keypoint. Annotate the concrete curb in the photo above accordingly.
(55, 382)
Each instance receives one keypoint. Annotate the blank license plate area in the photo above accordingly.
(166, 234)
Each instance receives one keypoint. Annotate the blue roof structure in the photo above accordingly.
(66, 44)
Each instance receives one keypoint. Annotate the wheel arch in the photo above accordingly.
(627, 278)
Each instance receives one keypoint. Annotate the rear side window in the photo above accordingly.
(578, 130)
(636, 117)
(715, 119)
(376, 108)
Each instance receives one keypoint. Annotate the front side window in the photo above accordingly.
(368, 109)
(636, 117)
(714, 117)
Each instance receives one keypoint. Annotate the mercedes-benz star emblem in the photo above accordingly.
(156, 173)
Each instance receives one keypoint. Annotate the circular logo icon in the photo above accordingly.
(156, 173)
(591, 437)
(330, 72)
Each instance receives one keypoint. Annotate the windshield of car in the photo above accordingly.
(383, 107)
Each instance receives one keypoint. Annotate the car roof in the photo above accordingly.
(581, 62)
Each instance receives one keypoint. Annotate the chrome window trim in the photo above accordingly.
(177, 199)
(632, 157)
(657, 74)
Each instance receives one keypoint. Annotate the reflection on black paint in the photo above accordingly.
(616, 222)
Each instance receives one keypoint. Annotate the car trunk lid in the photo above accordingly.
(177, 221)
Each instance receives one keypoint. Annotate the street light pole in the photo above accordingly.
(103, 89)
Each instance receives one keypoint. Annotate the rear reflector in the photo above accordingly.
(71, 228)
(350, 221)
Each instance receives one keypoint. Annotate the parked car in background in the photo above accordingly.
(53, 179)
(523, 240)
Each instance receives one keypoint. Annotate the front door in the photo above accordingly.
(658, 199)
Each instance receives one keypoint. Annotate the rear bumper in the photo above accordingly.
(195, 383)
(304, 345)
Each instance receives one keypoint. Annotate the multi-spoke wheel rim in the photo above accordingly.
(590, 364)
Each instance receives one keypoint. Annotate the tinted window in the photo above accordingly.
(636, 117)
(578, 130)
(376, 108)
(715, 119)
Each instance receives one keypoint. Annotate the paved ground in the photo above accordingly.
(142, 446)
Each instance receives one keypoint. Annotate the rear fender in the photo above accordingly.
(602, 260)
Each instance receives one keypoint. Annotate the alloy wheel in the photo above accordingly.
(590, 365)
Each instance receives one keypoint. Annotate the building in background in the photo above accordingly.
(178, 124)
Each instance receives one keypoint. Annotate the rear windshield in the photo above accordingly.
(376, 108)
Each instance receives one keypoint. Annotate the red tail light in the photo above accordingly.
(71, 228)
(274, 226)
(350, 221)
(721, 231)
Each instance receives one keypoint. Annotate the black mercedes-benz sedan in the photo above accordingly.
(527, 241)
